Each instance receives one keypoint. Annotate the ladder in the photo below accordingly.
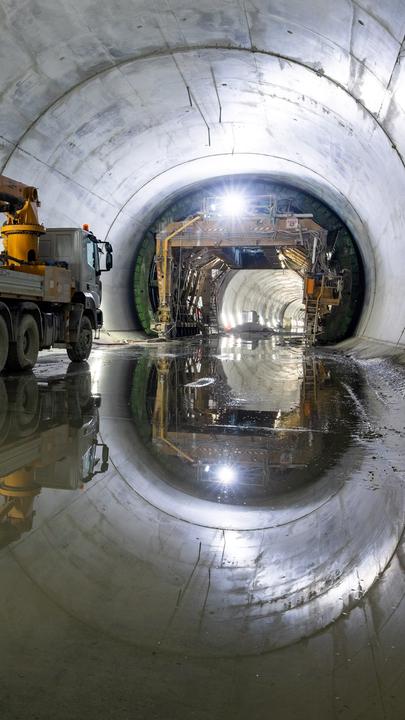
(214, 325)
(312, 315)
(309, 379)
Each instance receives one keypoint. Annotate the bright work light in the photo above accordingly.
(233, 204)
(225, 474)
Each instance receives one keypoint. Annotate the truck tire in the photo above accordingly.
(23, 353)
(81, 349)
(4, 342)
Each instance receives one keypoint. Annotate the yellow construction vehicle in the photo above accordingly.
(50, 287)
(322, 292)
(192, 255)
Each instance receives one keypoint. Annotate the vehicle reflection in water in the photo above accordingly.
(246, 423)
(48, 439)
(151, 582)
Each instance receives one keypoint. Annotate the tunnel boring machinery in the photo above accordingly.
(192, 256)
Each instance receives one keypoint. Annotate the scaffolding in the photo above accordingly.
(193, 255)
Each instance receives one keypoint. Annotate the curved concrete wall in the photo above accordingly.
(276, 296)
(113, 111)
(130, 588)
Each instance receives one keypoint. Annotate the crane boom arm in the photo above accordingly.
(19, 201)
(13, 188)
(16, 192)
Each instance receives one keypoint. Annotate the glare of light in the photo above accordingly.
(207, 468)
(225, 474)
(233, 204)
(96, 372)
(228, 320)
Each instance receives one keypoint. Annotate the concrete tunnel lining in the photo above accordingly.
(275, 295)
(148, 537)
(56, 145)
(96, 112)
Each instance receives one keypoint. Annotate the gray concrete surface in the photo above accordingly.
(133, 598)
(129, 598)
(113, 108)
(276, 296)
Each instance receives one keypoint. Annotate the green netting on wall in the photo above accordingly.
(345, 255)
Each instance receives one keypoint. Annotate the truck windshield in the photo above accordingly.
(90, 253)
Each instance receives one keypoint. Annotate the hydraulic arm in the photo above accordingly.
(22, 228)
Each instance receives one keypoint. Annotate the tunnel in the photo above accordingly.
(256, 285)
(209, 527)
(130, 113)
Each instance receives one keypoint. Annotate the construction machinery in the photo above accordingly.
(48, 439)
(192, 257)
(50, 282)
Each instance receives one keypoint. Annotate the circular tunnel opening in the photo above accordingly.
(257, 288)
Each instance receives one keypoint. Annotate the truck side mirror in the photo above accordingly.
(108, 261)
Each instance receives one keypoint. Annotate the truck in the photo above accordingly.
(50, 282)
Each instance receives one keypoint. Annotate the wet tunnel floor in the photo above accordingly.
(203, 530)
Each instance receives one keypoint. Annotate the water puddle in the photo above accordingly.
(241, 421)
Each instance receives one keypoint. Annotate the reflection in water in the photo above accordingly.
(244, 422)
(252, 467)
(294, 602)
(48, 438)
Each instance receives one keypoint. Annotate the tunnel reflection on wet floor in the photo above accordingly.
(203, 530)
(244, 422)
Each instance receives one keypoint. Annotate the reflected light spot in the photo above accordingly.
(225, 474)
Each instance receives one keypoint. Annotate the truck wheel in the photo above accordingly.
(80, 350)
(4, 340)
(23, 353)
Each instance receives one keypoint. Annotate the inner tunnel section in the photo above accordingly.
(248, 287)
